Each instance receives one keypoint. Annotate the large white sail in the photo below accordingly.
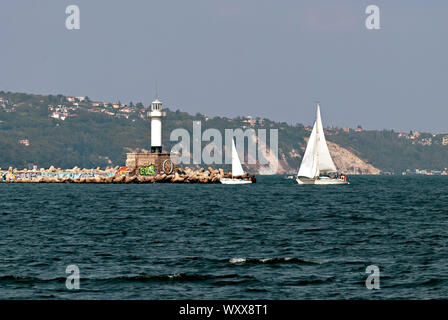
(317, 158)
(308, 167)
(325, 162)
(237, 169)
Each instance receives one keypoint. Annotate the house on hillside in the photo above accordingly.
(425, 142)
(122, 115)
(250, 121)
(445, 140)
(25, 142)
(58, 115)
(126, 110)
(415, 135)
(3, 102)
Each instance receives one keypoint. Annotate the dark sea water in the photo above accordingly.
(271, 240)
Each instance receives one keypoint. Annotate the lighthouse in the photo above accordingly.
(157, 161)
(156, 115)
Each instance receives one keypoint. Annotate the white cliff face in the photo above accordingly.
(349, 163)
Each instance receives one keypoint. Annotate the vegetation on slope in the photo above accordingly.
(92, 139)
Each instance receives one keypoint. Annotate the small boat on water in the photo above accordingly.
(317, 166)
(237, 169)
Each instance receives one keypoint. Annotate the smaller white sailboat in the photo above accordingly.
(317, 166)
(237, 169)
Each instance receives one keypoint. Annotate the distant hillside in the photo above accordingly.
(66, 131)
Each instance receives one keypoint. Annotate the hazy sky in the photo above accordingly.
(239, 57)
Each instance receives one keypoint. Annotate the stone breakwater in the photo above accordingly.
(116, 175)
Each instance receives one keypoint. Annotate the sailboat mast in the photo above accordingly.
(317, 139)
(233, 147)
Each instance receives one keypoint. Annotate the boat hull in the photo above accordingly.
(304, 180)
(234, 181)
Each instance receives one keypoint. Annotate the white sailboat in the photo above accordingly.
(237, 169)
(317, 166)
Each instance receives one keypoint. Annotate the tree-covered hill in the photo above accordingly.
(385, 150)
(95, 134)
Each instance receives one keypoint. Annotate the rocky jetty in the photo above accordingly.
(115, 175)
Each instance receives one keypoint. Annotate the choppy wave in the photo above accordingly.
(175, 277)
(313, 280)
(271, 261)
(28, 279)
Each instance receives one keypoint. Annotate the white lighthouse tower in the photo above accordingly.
(157, 161)
(156, 115)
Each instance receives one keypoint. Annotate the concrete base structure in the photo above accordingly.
(162, 162)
